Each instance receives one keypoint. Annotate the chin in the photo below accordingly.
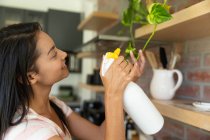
(62, 77)
(66, 74)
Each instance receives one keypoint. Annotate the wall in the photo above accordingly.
(44, 5)
(113, 6)
(88, 64)
(196, 69)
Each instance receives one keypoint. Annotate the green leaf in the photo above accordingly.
(127, 17)
(135, 13)
(143, 10)
(141, 14)
(122, 31)
(135, 5)
(129, 49)
(137, 18)
(158, 14)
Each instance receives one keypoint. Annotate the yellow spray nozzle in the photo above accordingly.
(117, 51)
(114, 54)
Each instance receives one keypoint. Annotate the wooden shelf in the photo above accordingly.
(183, 111)
(87, 55)
(99, 21)
(94, 88)
(187, 24)
(103, 37)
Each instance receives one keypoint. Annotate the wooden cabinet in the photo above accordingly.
(62, 27)
(11, 16)
(1, 16)
(35, 16)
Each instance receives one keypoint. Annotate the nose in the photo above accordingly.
(64, 55)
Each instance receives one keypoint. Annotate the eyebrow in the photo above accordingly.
(53, 47)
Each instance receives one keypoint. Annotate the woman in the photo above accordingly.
(30, 64)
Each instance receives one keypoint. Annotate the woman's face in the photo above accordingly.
(51, 61)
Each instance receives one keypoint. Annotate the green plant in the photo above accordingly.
(139, 13)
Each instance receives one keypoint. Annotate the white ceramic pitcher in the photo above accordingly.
(163, 86)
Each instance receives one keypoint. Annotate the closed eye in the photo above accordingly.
(51, 49)
(54, 54)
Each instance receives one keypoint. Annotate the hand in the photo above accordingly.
(138, 66)
(117, 77)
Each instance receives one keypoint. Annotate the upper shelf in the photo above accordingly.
(187, 24)
(107, 38)
(183, 111)
(99, 21)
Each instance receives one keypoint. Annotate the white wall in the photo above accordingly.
(88, 64)
(44, 5)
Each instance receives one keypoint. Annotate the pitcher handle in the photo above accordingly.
(180, 79)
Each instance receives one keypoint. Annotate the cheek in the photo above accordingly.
(49, 68)
(51, 73)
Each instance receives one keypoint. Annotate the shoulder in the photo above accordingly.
(65, 108)
(55, 138)
(31, 130)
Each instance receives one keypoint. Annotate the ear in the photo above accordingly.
(32, 77)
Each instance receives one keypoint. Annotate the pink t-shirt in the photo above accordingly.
(36, 127)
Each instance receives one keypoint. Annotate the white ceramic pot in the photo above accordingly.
(163, 86)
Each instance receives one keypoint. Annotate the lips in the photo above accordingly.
(64, 66)
(65, 63)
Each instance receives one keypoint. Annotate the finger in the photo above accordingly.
(128, 68)
(142, 58)
(123, 64)
(134, 70)
(119, 60)
(132, 57)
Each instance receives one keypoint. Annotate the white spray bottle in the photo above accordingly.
(136, 103)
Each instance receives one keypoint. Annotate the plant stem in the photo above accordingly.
(131, 32)
(150, 37)
(132, 37)
(165, 1)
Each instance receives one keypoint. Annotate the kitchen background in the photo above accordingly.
(61, 19)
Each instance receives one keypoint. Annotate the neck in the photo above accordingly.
(40, 102)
